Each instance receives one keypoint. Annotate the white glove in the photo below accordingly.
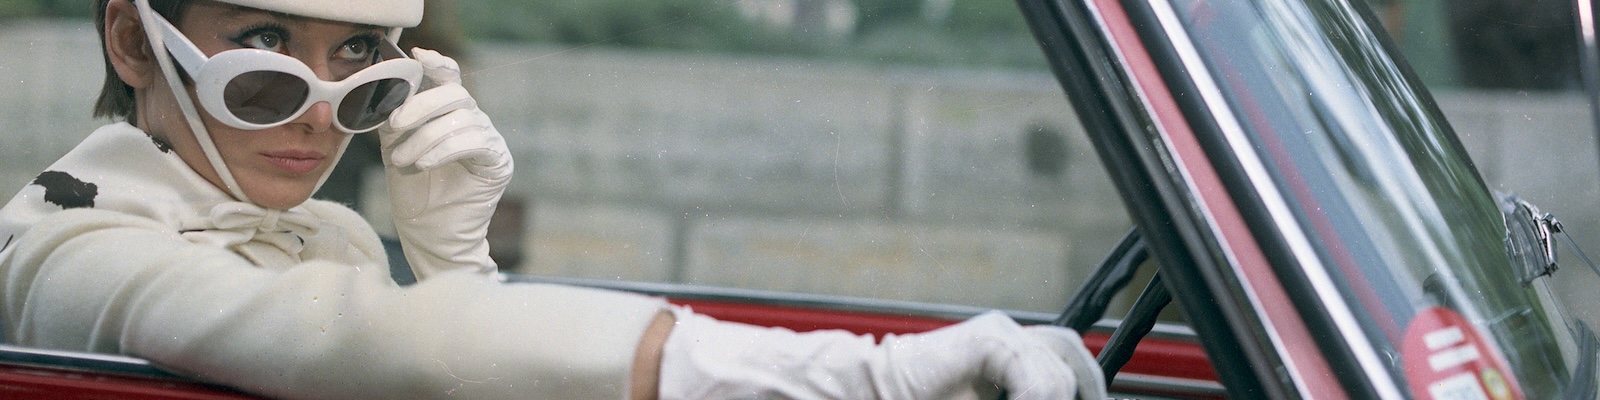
(446, 167)
(709, 359)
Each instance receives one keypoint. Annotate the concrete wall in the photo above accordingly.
(802, 176)
(49, 75)
(790, 175)
(1541, 146)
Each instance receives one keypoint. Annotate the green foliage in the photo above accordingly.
(879, 14)
(624, 23)
(973, 32)
(12, 8)
(966, 16)
(921, 44)
(45, 8)
(983, 17)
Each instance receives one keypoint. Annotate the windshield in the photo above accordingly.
(1390, 203)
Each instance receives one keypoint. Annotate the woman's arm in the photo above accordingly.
(109, 282)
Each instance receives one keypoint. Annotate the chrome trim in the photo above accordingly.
(1589, 61)
(97, 363)
(802, 300)
(1253, 362)
(1200, 73)
(1299, 244)
(1530, 232)
(1157, 383)
(1257, 308)
(1165, 331)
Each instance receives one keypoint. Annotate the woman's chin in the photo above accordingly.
(282, 204)
(280, 197)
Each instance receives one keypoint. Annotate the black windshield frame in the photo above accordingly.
(1110, 111)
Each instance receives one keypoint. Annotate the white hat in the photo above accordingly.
(384, 13)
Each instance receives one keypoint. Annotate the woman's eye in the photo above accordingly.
(355, 50)
(265, 41)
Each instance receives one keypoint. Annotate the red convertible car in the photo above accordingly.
(1301, 199)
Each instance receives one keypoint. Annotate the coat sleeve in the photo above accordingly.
(101, 281)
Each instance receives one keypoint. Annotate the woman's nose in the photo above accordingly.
(317, 119)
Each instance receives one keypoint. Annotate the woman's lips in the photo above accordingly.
(295, 161)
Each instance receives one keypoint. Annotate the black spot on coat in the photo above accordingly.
(8, 242)
(161, 144)
(64, 190)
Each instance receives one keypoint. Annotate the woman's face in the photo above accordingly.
(277, 167)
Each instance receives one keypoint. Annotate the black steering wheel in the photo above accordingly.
(1089, 304)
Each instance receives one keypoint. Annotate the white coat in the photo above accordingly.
(119, 247)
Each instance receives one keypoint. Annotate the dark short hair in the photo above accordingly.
(116, 97)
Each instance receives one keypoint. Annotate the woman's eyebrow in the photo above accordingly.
(295, 21)
(368, 29)
(237, 12)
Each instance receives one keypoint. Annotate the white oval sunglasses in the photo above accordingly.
(258, 89)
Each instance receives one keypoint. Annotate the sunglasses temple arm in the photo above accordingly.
(179, 46)
(393, 44)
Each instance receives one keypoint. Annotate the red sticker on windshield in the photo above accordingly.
(1446, 359)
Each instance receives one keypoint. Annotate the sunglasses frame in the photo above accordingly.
(211, 76)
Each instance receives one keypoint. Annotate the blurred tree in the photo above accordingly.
(1515, 44)
(45, 8)
(876, 14)
(60, 8)
(440, 30)
(18, 8)
(972, 32)
(658, 23)
(977, 18)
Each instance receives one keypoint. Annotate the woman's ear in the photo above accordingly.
(127, 47)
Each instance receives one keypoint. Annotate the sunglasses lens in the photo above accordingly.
(370, 104)
(265, 97)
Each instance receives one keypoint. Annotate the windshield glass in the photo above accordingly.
(1390, 202)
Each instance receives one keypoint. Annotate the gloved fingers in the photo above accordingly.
(427, 105)
(1068, 345)
(487, 163)
(437, 68)
(474, 143)
(1028, 369)
(494, 166)
(462, 135)
(474, 158)
(1007, 355)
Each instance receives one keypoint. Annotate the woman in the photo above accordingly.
(186, 235)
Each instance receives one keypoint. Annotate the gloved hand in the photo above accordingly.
(705, 358)
(447, 167)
